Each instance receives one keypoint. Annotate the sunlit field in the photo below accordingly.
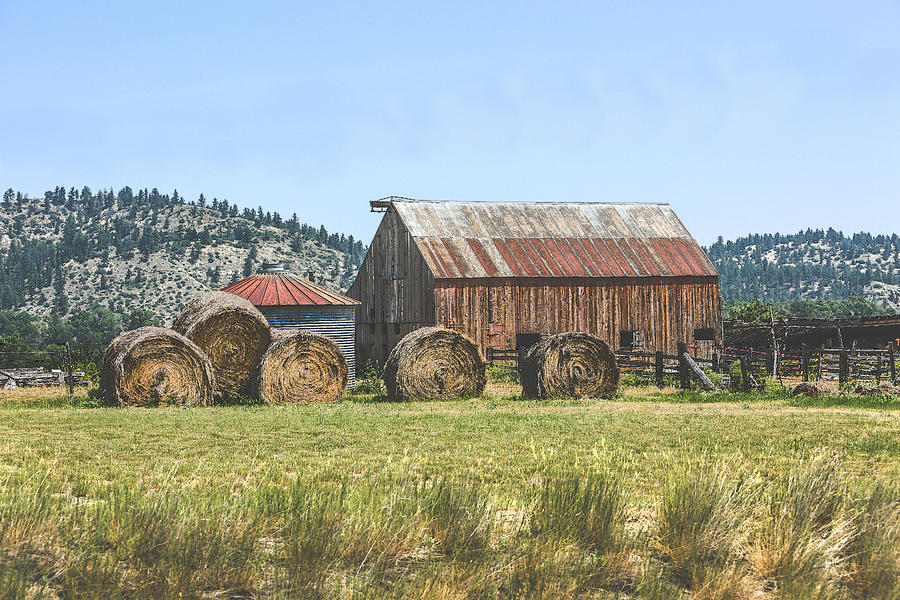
(658, 494)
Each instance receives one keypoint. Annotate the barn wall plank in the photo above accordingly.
(665, 310)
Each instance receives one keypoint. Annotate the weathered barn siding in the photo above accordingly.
(665, 311)
(396, 289)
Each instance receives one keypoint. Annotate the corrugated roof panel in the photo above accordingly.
(538, 255)
(286, 289)
(483, 258)
(634, 257)
(517, 247)
(550, 262)
(599, 264)
(553, 239)
(439, 250)
(508, 257)
(571, 256)
(425, 246)
(640, 249)
(456, 257)
(683, 265)
(663, 263)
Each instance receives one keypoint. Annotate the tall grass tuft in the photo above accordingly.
(801, 535)
(873, 554)
(701, 514)
(587, 510)
(714, 534)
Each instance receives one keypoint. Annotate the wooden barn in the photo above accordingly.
(501, 272)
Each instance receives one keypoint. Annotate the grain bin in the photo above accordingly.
(291, 302)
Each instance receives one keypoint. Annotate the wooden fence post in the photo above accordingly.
(698, 372)
(804, 363)
(658, 368)
(69, 369)
(715, 363)
(893, 364)
(819, 372)
(843, 367)
(683, 367)
(745, 372)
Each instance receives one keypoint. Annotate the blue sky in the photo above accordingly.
(755, 118)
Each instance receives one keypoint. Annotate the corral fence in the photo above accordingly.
(652, 368)
(746, 368)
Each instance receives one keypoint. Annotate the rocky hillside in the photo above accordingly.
(79, 249)
(810, 265)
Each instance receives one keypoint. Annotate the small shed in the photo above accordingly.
(291, 302)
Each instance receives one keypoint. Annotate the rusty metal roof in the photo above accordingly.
(552, 239)
(286, 289)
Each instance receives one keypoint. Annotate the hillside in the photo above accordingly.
(810, 265)
(79, 249)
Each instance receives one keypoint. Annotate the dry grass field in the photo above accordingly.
(657, 494)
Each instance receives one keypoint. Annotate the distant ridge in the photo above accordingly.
(814, 264)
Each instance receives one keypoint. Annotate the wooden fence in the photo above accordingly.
(652, 367)
(25, 376)
(748, 366)
(819, 364)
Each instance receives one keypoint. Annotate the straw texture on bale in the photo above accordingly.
(433, 363)
(152, 366)
(233, 334)
(569, 365)
(300, 366)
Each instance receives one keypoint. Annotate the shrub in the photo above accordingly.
(370, 383)
(502, 374)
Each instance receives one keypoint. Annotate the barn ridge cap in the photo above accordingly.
(404, 200)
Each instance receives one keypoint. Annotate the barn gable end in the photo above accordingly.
(398, 288)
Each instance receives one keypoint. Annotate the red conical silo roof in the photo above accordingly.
(286, 289)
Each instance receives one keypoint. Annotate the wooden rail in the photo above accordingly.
(749, 366)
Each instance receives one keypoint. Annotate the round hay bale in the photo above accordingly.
(569, 365)
(151, 366)
(233, 334)
(300, 366)
(433, 363)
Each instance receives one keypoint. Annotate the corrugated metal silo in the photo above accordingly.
(291, 302)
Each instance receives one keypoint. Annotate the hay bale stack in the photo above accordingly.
(433, 363)
(300, 366)
(233, 334)
(569, 365)
(151, 366)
